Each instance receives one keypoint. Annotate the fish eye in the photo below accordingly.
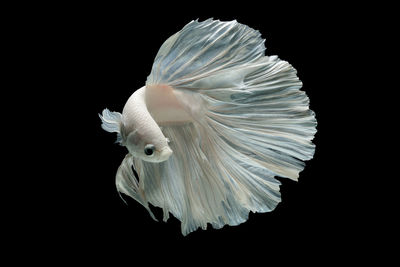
(149, 149)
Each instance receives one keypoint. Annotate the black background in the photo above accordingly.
(95, 56)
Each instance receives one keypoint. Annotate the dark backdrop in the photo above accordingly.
(99, 55)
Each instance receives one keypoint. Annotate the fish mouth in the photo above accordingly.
(165, 153)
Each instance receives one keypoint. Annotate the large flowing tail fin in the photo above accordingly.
(250, 124)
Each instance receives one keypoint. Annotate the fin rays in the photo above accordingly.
(255, 124)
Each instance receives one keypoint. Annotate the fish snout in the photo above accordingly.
(165, 153)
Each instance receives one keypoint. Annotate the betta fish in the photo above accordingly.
(215, 123)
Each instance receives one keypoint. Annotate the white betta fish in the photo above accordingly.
(216, 121)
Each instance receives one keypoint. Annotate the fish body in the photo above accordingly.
(142, 131)
(215, 123)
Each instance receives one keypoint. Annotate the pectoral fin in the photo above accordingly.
(127, 183)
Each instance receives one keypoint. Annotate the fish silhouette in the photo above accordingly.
(215, 123)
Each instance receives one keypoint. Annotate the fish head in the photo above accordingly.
(148, 148)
